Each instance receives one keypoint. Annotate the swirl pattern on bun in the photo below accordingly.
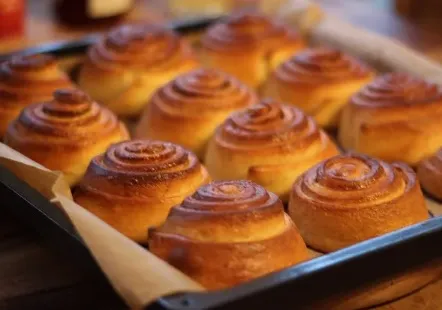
(320, 81)
(429, 172)
(25, 80)
(133, 185)
(187, 110)
(395, 118)
(351, 198)
(248, 45)
(227, 233)
(130, 63)
(65, 133)
(269, 143)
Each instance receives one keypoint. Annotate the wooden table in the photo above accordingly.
(32, 276)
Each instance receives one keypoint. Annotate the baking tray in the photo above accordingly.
(299, 287)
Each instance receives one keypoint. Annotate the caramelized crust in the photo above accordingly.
(25, 80)
(134, 184)
(351, 198)
(429, 172)
(65, 133)
(320, 81)
(124, 69)
(228, 233)
(187, 110)
(395, 118)
(249, 46)
(269, 143)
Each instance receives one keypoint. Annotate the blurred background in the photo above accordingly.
(25, 23)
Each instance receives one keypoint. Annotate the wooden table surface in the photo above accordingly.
(32, 276)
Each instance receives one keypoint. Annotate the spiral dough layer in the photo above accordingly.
(25, 80)
(141, 46)
(395, 90)
(396, 117)
(350, 198)
(134, 184)
(321, 66)
(65, 133)
(269, 143)
(233, 224)
(429, 172)
(320, 81)
(187, 110)
(131, 62)
(248, 45)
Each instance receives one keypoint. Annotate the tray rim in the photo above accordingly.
(270, 285)
(365, 257)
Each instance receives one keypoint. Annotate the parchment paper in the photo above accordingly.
(136, 274)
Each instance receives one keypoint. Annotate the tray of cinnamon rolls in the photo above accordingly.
(247, 158)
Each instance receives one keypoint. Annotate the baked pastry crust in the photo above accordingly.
(249, 46)
(123, 69)
(429, 172)
(188, 109)
(351, 198)
(269, 143)
(395, 118)
(133, 185)
(65, 133)
(320, 81)
(227, 233)
(25, 80)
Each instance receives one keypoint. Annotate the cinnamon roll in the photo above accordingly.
(228, 233)
(249, 46)
(320, 81)
(395, 118)
(124, 68)
(133, 185)
(351, 198)
(25, 80)
(187, 110)
(429, 172)
(269, 143)
(65, 133)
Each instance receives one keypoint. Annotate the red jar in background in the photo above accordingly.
(12, 18)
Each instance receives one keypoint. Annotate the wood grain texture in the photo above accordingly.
(32, 276)
(428, 298)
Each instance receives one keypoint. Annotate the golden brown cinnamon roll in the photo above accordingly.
(65, 133)
(249, 46)
(135, 183)
(269, 143)
(130, 63)
(228, 233)
(350, 198)
(25, 80)
(429, 172)
(320, 81)
(187, 110)
(397, 117)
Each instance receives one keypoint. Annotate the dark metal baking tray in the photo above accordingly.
(67, 48)
(298, 287)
